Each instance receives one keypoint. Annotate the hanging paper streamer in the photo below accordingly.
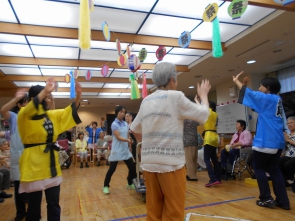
(76, 73)
(122, 59)
(106, 31)
(88, 75)
(67, 78)
(142, 54)
(91, 5)
(210, 14)
(128, 53)
(284, 2)
(84, 25)
(133, 63)
(134, 88)
(104, 70)
(118, 45)
(56, 86)
(160, 53)
(237, 8)
(144, 88)
(72, 86)
(185, 39)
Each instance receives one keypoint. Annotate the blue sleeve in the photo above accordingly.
(253, 99)
(12, 121)
(87, 128)
(114, 126)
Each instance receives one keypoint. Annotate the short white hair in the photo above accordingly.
(163, 72)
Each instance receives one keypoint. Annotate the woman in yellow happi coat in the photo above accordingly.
(39, 167)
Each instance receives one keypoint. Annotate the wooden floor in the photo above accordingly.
(82, 199)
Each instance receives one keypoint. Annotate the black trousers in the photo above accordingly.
(210, 153)
(113, 165)
(263, 162)
(19, 199)
(53, 208)
(287, 167)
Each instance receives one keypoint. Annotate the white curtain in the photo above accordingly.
(287, 79)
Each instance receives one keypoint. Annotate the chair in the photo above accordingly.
(78, 156)
(243, 162)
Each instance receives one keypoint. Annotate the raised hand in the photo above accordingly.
(236, 78)
(203, 88)
(245, 81)
(20, 93)
(78, 88)
(49, 85)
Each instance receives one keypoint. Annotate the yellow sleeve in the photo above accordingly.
(78, 144)
(84, 144)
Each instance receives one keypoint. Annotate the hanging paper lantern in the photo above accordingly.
(56, 86)
(72, 86)
(160, 53)
(122, 59)
(134, 87)
(67, 78)
(133, 63)
(104, 70)
(185, 39)
(88, 75)
(210, 14)
(91, 5)
(118, 45)
(106, 31)
(237, 8)
(142, 54)
(144, 88)
(84, 25)
(284, 2)
(76, 73)
(128, 51)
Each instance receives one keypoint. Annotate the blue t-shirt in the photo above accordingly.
(269, 128)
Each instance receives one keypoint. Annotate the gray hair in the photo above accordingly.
(291, 118)
(163, 72)
(2, 141)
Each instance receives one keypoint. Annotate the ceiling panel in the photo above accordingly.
(17, 50)
(167, 26)
(150, 48)
(20, 71)
(55, 52)
(91, 85)
(52, 41)
(55, 72)
(18, 66)
(227, 31)
(47, 13)
(89, 93)
(145, 5)
(107, 45)
(28, 84)
(121, 85)
(6, 38)
(185, 8)
(180, 59)
(61, 94)
(6, 14)
(97, 54)
(188, 51)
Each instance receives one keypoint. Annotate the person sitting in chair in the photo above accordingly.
(241, 138)
(102, 148)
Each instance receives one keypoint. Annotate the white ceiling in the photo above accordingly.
(164, 18)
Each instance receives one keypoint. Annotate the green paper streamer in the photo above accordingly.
(216, 41)
(134, 88)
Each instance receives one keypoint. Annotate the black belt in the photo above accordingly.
(49, 147)
(203, 134)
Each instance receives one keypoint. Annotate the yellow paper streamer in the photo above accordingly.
(84, 26)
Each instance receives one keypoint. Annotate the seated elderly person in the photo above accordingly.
(287, 162)
(4, 184)
(241, 138)
(4, 151)
(102, 148)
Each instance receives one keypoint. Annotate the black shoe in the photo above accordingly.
(189, 179)
(86, 164)
(1, 200)
(98, 163)
(268, 203)
(19, 218)
(5, 195)
(281, 206)
(68, 165)
(81, 166)
(108, 163)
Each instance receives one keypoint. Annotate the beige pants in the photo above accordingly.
(100, 152)
(165, 195)
(191, 158)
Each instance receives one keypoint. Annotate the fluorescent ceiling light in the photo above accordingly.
(20, 71)
(16, 50)
(251, 62)
(145, 5)
(108, 94)
(109, 85)
(91, 84)
(61, 94)
(52, 41)
(6, 14)
(188, 51)
(55, 72)
(85, 100)
(55, 52)
(191, 87)
(180, 59)
(13, 38)
(28, 84)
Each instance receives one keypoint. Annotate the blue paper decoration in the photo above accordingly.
(73, 86)
(185, 39)
(284, 2)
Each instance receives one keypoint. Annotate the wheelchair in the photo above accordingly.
(243, 162)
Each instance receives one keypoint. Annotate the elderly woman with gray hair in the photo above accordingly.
(159, 123)
(287, 162)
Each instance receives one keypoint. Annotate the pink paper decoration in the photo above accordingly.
(118, 45)
(122, 59)
(104, 70)
(76, 73)
(144, 88)
(128, 53)
(160, 53)
(88, 75)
